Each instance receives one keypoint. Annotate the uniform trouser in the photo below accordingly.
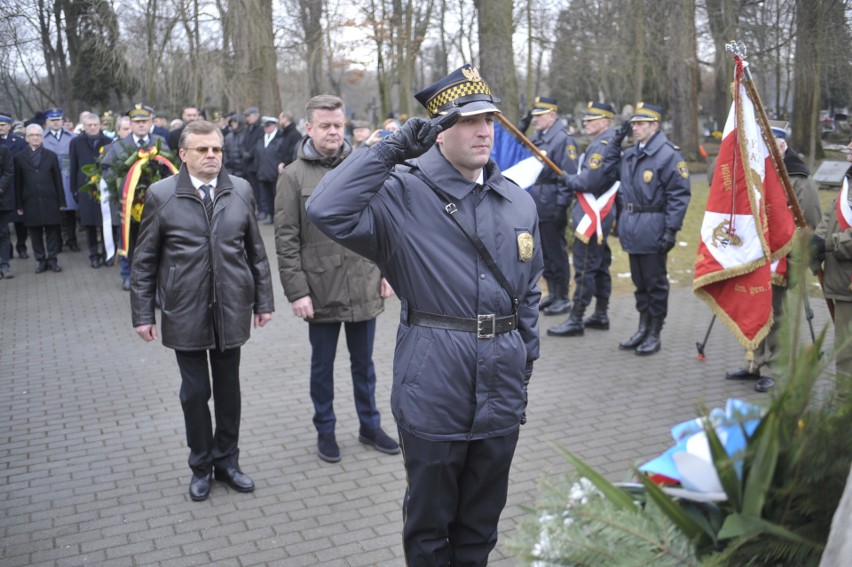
(554, 248)
(49, 234)
(267, 197)
(591, 271)
(69, 227)
(359, 341)
(251, 177)
(843, 345)
(648, 272)
(125, 262)
(5, 238)
(95, 251)
(766, 352)
(455, 493)
(206, 448)
(21, 234)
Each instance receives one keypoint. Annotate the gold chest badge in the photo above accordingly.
(572, 152)
(647, 176)
(525, 246)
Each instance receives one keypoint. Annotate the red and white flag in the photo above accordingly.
(844, 211)
(747, 227)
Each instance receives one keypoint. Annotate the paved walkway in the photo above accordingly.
(92, 450)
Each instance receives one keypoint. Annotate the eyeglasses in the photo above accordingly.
(205, 149)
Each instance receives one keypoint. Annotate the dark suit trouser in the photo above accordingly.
(69, 227)
(591, 271)
(359, 340)
(251, 177)
(455, 494)
(95, 250)
(5, 238)
(266, 193)
(21, 234)
(125, 262)
(554, 248)
(648, 272)
(50, 234)
(206, 448)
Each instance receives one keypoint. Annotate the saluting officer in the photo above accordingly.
(468, 331)
(654, 195)
(593, 213)
(552, 139)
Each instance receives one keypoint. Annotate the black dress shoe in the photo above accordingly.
(23, 255)
(95, 262)
(199, 487)
(110, 263)
(125, 285)
(235, 478)
(72, 246)
(327, 448)
(41, 266)
(764, 384)
(742, 374)
(54, 266)
(560, 306)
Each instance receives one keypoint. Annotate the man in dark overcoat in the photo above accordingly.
(7, 204)
(16, 145)
(40, 198)
(85, 150)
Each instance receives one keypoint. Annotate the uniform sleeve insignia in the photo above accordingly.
(525, 247)
(683, 169)
(595, 161)
(647, 176)
(572, 152)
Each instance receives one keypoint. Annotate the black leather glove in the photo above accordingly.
(817, 253)
(667, 242)
(622, 133)
(524, 124)
(527, 375)
(415, 138)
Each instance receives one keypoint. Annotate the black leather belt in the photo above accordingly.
(485, 326)
(631, 208)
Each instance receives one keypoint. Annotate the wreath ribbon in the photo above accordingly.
(128, 191)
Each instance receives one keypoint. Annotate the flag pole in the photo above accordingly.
(523, 139)
(737, 48)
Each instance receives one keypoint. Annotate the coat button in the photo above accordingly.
(482, 276)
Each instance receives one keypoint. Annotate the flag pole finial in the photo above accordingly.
(737, 48)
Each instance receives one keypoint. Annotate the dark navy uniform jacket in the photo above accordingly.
(447, 385)
(561, 149)
(598, 172)
(654, 194)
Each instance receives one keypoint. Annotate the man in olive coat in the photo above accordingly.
(200, 251)
(40, 198)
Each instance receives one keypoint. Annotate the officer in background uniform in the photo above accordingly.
(552, 139)
(654, 195)
(467, 337)
(595, 187)
(58, 140)
(16, 144)
(807, 193)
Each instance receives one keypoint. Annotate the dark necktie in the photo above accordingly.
(207, 200)
(141, 142)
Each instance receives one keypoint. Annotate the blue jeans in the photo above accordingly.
(359, 340)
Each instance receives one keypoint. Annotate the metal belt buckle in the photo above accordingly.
(629, 207)
(485, 320)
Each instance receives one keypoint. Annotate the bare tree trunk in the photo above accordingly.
(255, 69)
(809, 34)
(683, 68)
(722, 20)
(310, 15)
(497, 56)
(413, 24)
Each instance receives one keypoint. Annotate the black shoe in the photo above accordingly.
(572, 327)
(764, 384)
(544, 303)
(235, 478)
(652, 342)
(54, 266)
(560, 306)
(379, 440)
(260, 216)
(327, 448)
(110, 263)
(125, 284)
(95, 262)
(23, 255)
(199, 487)
(742, 374)
(72, 246)
(6, 273)
(41, 266)
(598, 320)
(638, 336)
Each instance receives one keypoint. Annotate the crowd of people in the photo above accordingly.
(416, 209)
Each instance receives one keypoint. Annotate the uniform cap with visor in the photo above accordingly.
(464, 89)
(646, 112)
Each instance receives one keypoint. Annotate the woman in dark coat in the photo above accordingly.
(40, 197)
(85, 150)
